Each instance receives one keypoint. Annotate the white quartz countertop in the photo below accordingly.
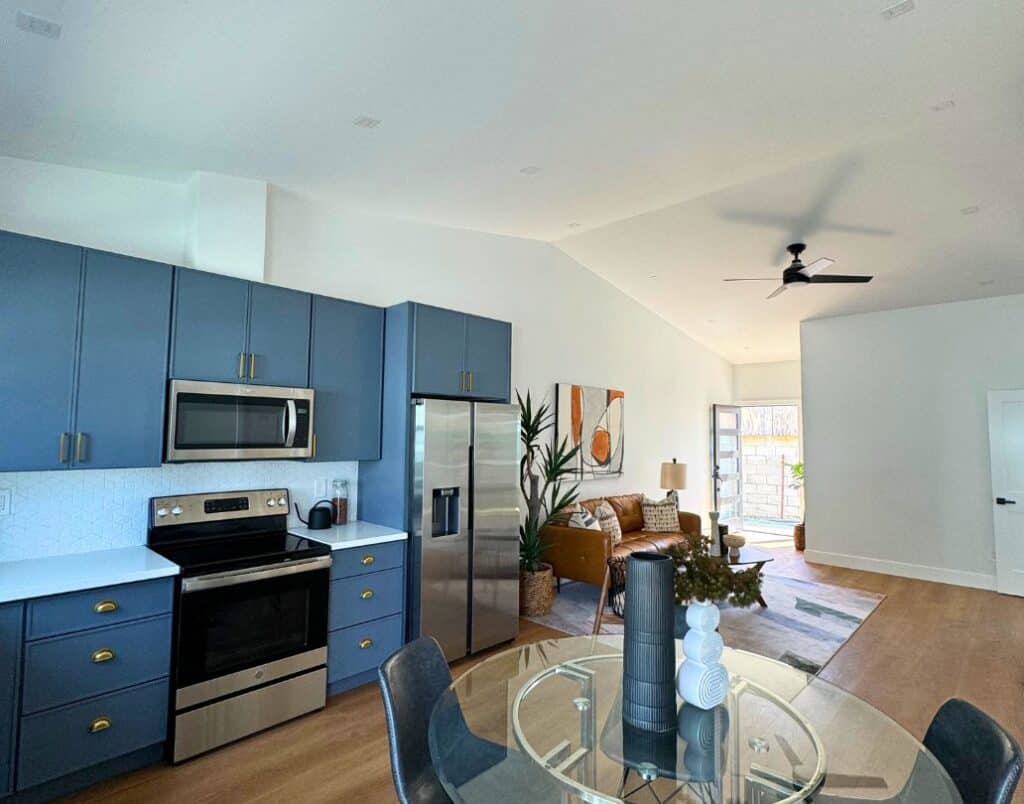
(54, 575)
(354, 534)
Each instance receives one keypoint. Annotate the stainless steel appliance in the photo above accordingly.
(222, 421)
(465, 513)
(250, 619)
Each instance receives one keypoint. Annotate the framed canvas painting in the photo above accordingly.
(591, 418)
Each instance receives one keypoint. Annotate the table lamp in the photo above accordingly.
(673, 477)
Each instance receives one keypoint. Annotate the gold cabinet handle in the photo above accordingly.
(80, 443)
(366, 594)
(102, 655)
(105, 607)
(252, 365)
(100, 724)
(365, 643)
(241, 365)
(462, 381)
(314, 446)
(62, 449)
(367, 560)
(470, 381)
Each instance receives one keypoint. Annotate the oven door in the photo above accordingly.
(237, 630)
(212, 421)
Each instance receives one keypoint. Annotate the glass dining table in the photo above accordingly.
(543, 722)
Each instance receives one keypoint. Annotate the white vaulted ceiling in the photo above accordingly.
(688, 141)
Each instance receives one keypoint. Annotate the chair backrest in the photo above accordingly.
(411, 681)
(981, 758)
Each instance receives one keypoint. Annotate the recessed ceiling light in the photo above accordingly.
(711, 321)
(971, 210)
(529, 170)
(986, 282)
(37, 25)
(653, 276)
(574, 225)
(943, 106)
(366, 122)
(898, 10)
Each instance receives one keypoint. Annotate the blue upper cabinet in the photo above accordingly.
(122, 365)
(210, 327)
(278, 337)
(460, 355)
(346, 372)
(439, 346)
(10, 665)
(488, 358)
(232, 330)
(39, 299)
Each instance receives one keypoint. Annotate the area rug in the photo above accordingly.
(804, 625)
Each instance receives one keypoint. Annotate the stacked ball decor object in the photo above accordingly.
(702, 679)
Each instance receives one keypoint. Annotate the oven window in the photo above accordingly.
(231, 628)
(210, 421)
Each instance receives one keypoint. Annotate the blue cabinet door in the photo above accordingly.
(439, 342)
(39, 295)
(488, 358)
(10, 664)
(122, 372)
(209, 331)
(347, 373)
(278, 337)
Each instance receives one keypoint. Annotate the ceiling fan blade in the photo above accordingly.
(754, 279)
(777, 291)
(839, 279)
(817, 266)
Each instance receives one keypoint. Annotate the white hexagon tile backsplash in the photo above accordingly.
(74, 511)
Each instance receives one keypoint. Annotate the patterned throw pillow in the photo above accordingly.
(660, 516)
(609, 522)
(580, 517)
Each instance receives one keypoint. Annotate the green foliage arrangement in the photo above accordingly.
(542, 473)
(796, 472)
(702, 576)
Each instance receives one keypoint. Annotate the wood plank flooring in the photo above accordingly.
(925, 643)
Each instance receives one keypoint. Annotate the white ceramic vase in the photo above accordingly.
(702, 679)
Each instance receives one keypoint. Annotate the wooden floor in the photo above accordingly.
(925, 643)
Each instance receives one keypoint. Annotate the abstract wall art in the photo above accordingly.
(591, 418)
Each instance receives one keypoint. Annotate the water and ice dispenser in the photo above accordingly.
(445, 518)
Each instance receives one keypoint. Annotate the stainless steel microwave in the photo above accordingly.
(221, 421)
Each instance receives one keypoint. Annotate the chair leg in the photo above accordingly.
(558, 584)
(602, 601)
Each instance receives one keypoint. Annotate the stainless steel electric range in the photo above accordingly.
(251, 616)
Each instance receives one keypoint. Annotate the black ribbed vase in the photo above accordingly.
(648, 649)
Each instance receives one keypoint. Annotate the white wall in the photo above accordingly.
(766, 382)
(227, 225)
(568, 325)
(896, 436)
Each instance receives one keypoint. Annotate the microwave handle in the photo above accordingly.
(292, 417)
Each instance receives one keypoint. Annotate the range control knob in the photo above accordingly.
(271, 502)
(282, 501)
(161, 512)
(176, 510)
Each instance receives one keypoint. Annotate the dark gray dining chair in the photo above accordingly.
(983, 761)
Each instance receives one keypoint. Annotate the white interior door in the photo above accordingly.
(1006, 440)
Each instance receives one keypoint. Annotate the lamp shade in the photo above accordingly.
(673, 475)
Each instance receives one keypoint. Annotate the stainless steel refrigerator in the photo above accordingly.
(465, 515)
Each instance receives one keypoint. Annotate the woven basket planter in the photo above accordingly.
(799, 540)
(536, 592)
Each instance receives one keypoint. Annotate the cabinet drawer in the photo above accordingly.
(77, 611)
(365, 597)
(355, 650)
(64, 740)
(361, 560)
(69, 668)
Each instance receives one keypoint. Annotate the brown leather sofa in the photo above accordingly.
(579, 554)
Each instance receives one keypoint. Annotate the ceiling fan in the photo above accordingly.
(797, 274)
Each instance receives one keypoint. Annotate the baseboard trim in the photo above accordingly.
(922, 572)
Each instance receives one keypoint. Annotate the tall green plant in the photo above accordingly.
(542, 473)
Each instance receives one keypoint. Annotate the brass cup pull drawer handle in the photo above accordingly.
(102, 655)
(365, 643)
(367, 560)
(99, 724)
(105, 607)
(366, 594)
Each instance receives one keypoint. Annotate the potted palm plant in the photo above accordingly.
(542, 473)
(796, 472)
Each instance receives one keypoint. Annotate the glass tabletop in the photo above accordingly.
(542, 722)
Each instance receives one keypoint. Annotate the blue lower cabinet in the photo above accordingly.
(355, 650)
(70, 668)
(93, 608)
(362, 560)
(60, 741)
(10, 664)
(366, 597)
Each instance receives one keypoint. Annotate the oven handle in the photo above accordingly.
(292, 416)
(203, 582)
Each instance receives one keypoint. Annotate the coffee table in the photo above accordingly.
(749, 557)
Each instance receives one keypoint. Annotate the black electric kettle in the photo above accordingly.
(319, 518)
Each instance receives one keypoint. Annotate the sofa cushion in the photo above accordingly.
(609, 521)
(580, 517)
(660, 516)
(627, 508)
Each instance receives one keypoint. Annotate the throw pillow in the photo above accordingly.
(660, 516)
(609, 523)
(580, 517)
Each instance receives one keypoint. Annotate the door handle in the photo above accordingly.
(81, 441)
(105, 607)
(470, 381)
(62, 448)
(241, 365)
(252, 365)
(462, 381)
(102, 655)
(100, 724)
(366, 594)
(1004, 501)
